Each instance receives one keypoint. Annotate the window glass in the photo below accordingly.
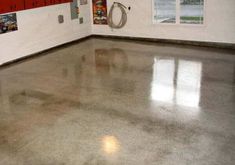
(165, 11)
(191, 11)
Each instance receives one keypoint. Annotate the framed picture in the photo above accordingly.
(8, 23)
(99, 12)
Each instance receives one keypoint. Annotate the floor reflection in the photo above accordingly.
(110, 145)
(111, 60)
(163, 80)
(1, 99)
(176, 81)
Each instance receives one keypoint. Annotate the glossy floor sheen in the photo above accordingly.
(113, 102)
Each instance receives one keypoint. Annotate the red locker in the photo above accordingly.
(66, 1)
(16, 5)
(4, 6)
(1, 7)
(11, 6)
(49, 2)
(7, 6)
(40, 3)
(58, 1)
(29, 4)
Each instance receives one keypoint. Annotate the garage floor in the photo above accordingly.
(101, 102)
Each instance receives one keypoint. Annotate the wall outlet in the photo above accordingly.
(81, 20)
(61, 19)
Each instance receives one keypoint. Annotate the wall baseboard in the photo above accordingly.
(167, 41)
(171, 41)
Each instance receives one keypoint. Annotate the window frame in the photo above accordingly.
(178, 16)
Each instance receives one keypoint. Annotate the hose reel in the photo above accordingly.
(123, 19)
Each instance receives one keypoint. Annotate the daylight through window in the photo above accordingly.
(179, 11)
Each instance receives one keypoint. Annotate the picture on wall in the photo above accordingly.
(100, 12)
(83, 2)
(8, 23)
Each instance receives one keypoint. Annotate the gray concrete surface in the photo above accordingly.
(102, 102)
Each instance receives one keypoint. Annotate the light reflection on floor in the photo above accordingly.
(110, 145)
(176, 82)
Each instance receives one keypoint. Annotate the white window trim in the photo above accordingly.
(178, 16)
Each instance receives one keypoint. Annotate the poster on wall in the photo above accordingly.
(99, 12)
(8, 23)
(83, 2)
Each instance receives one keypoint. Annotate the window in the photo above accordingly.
(191, 11)
(179, 11)
(165, 11)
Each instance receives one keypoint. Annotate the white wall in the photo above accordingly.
(39, 30)
(219, 25)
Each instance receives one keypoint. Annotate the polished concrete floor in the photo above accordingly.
(114, 102)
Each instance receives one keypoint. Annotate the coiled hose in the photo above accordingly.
(123, 19)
